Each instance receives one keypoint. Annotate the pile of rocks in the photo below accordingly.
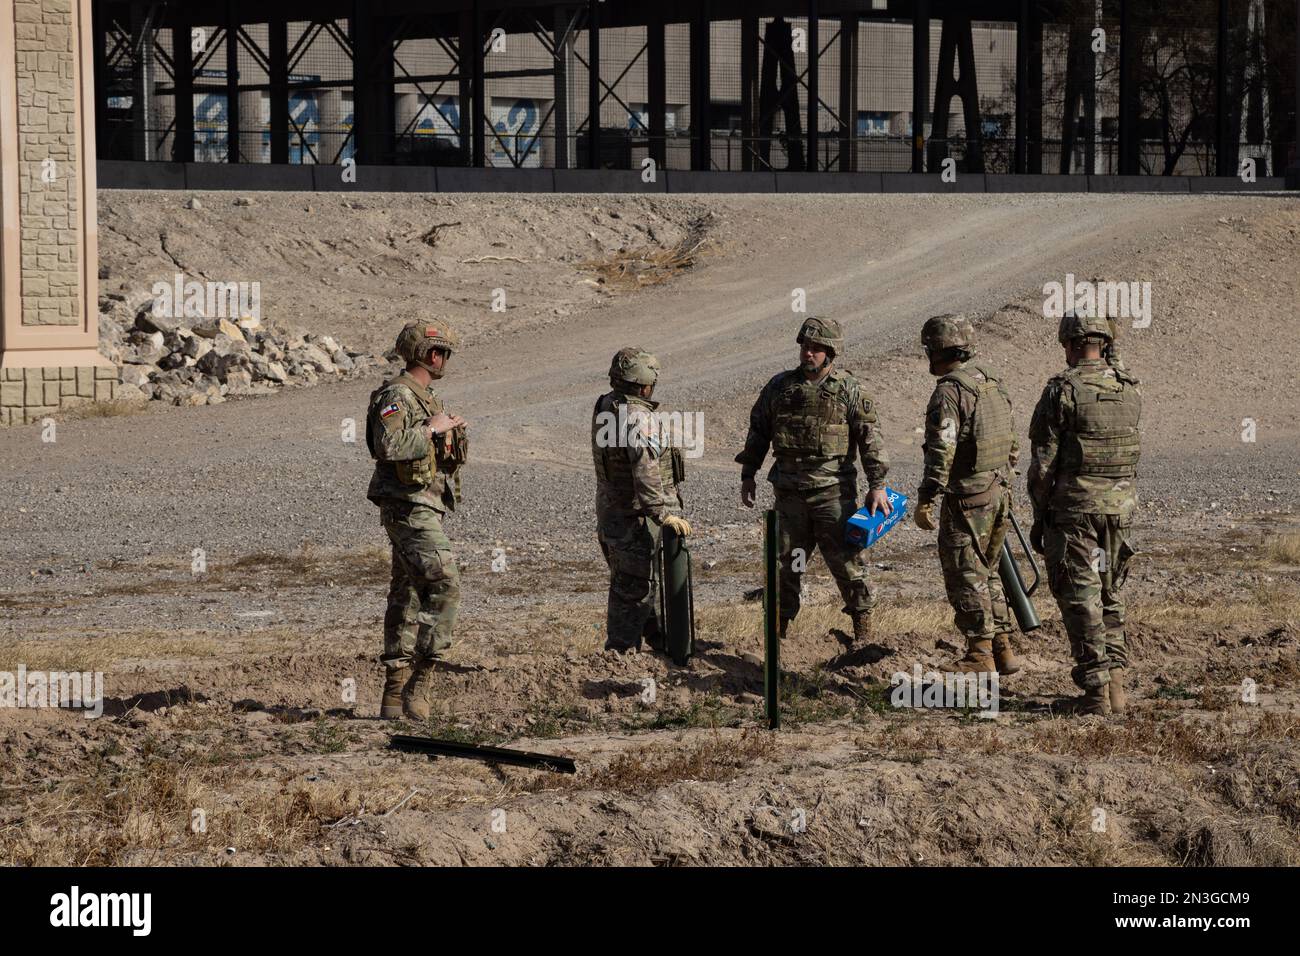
(167, 360)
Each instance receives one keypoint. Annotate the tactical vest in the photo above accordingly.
(810, 419)
(447, 452)
(1104, 438)
(984, 443)
(609, 447)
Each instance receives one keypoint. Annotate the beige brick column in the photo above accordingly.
(48, 263)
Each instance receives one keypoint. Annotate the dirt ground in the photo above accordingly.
(244, 697)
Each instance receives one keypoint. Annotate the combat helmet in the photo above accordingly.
(821, 331)
(634, 366)
(1084, 327)
(418, 339)
(943, 332)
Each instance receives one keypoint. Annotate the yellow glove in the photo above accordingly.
(924, 516)
(679, 525)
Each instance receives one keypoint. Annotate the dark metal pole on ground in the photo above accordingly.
(920, 81)
(454, 748)
(771, 621)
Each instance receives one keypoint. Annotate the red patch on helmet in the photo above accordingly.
(430, 333)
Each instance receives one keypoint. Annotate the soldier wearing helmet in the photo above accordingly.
(418, 449)
(1083, 483)
(970, 450)
(638, 469)
(815, 419)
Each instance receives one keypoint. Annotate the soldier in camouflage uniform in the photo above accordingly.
(1083, 485)
(815, 418)
(637, 473)
(970, 450)
(418, 449)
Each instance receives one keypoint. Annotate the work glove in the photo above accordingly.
(680, 525)
(1036, 537)
(924, 516)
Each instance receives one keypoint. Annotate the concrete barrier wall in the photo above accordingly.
(116, 174)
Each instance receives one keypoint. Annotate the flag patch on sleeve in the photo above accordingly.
(391, 409)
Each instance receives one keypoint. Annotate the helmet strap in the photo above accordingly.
(433, 373)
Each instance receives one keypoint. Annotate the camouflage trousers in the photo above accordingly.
(1087, 558)
(971, 533)
(425, 589)
(814, 519)
(629, 543)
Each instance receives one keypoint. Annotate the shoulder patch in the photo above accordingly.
(392, 409)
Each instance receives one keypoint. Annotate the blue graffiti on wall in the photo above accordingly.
(516, 142)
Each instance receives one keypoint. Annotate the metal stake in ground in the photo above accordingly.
(453, 748)
(771, 622)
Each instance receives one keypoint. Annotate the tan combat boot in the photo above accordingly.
(390, 705)
(979, 657)
(1003, 655)
(1095, 701)
(415, 695)
(862, 627)
(1118, 699)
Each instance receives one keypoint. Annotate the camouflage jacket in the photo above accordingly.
(949, 436)
(814, 430)
(1053, 484)
(636, 469)
(409, 465)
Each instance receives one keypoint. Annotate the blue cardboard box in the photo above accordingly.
(865, 529)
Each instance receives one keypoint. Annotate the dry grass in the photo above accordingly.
(739, 624)
(647, 266)
(106, 651)
(148, 815)
(1176, 741)
(1283, 548)
(1269, 603)
(717, 759)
